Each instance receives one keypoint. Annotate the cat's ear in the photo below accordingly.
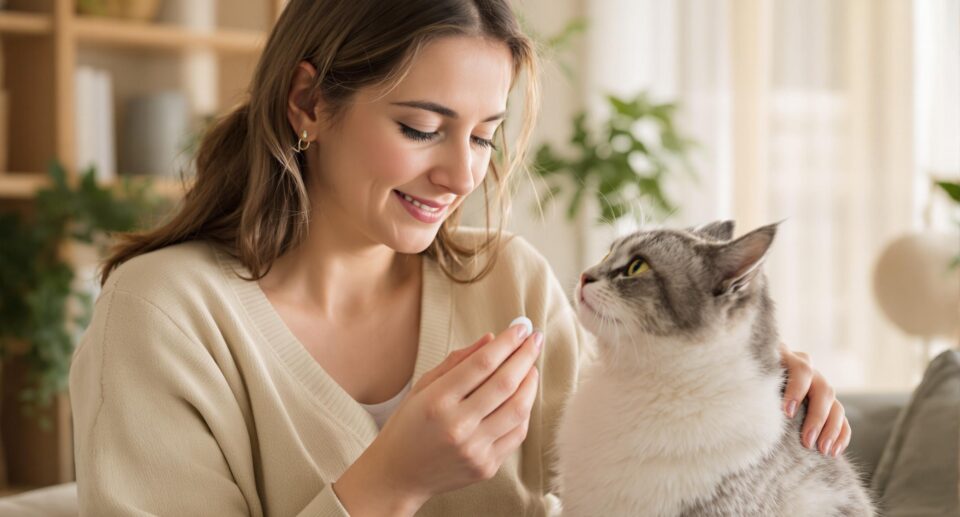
(739, 261)
(719, 230)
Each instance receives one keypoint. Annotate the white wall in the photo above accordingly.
(558, 239)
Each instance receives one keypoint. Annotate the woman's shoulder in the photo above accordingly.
(518, 264)
(183, 266)
(515, 251)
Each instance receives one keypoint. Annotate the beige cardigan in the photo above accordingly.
(191, 396)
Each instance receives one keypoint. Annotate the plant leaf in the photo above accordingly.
(952, 189)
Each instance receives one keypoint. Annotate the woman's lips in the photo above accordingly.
(429, 203)
(419, 213)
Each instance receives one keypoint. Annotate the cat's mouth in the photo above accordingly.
(583, 300)
(593, 310)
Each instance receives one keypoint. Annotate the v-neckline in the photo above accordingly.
(433, 342)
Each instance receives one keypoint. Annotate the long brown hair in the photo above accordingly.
(250, 194)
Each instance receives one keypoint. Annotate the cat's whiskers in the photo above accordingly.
(618, 324)
(636, 349)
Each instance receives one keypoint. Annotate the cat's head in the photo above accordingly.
(682, 285)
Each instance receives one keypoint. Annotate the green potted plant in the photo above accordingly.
(37, 290)
(623, 163)
(953, 190)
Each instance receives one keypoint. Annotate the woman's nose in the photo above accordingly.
(457, 172)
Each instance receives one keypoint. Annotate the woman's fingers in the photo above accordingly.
(514, 411)
(843, 440)
(831, 429)
(825, 419)
(471, 372)
(800, 374)
(505, 382)
(512, 420)
(453, 359)
(822, 398)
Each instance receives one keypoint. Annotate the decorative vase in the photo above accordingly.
(156, 129)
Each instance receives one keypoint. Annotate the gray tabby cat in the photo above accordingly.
(680, 413)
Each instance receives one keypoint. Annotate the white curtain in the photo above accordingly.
(807, 112)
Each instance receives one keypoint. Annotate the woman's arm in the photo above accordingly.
(157, 429)
(825, 422)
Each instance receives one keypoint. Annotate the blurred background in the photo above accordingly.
(839, 117)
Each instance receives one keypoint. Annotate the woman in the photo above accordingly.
(244, 356)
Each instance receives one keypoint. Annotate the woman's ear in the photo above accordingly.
(303, 106)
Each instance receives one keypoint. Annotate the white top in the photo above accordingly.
(382, 411)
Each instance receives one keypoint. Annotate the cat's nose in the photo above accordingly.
(586, 279)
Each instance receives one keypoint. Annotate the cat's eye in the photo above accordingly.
(636, 267)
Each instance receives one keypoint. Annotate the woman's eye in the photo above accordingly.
(420, 136)
(413, 134)
(484, 143)
(636, 267)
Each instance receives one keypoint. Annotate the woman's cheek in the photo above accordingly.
(399, 165)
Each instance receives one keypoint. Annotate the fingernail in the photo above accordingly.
(792, 408)
(810, 438)
(522, 332)
(836, 450)
(524, 327)
(827, 447)
(537, 339)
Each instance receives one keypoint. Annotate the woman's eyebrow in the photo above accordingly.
(443, 110)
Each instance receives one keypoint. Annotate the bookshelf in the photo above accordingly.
(42, 45)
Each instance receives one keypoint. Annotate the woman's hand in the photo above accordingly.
(825, 423)
(456, 427)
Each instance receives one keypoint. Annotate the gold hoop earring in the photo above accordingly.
(302, 143)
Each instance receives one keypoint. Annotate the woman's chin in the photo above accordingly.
(415, 242)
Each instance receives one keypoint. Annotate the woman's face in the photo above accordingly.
(428, 138)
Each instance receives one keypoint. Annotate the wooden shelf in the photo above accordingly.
(12, 22)
(167, 187)
(125, 34)
(44, 42)
(23, 185)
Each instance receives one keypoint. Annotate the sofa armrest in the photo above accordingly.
(53, 501)
(871, 417)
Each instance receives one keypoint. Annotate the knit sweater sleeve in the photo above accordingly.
(157, 429)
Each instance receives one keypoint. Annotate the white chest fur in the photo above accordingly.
(650, 440)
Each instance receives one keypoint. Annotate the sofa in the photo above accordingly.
(893, 436)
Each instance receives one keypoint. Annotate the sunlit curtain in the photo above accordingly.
(806, 111)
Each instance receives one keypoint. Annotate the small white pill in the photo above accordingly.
(524, 321)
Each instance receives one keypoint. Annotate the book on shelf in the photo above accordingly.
(95, 134)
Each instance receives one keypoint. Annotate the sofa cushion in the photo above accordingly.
(52, 501)
(919, 471)
(871, 417)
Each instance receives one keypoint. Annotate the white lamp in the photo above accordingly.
(916, 287)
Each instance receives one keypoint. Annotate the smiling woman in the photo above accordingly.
(425, 140)
(437, 74)
(283, 344)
